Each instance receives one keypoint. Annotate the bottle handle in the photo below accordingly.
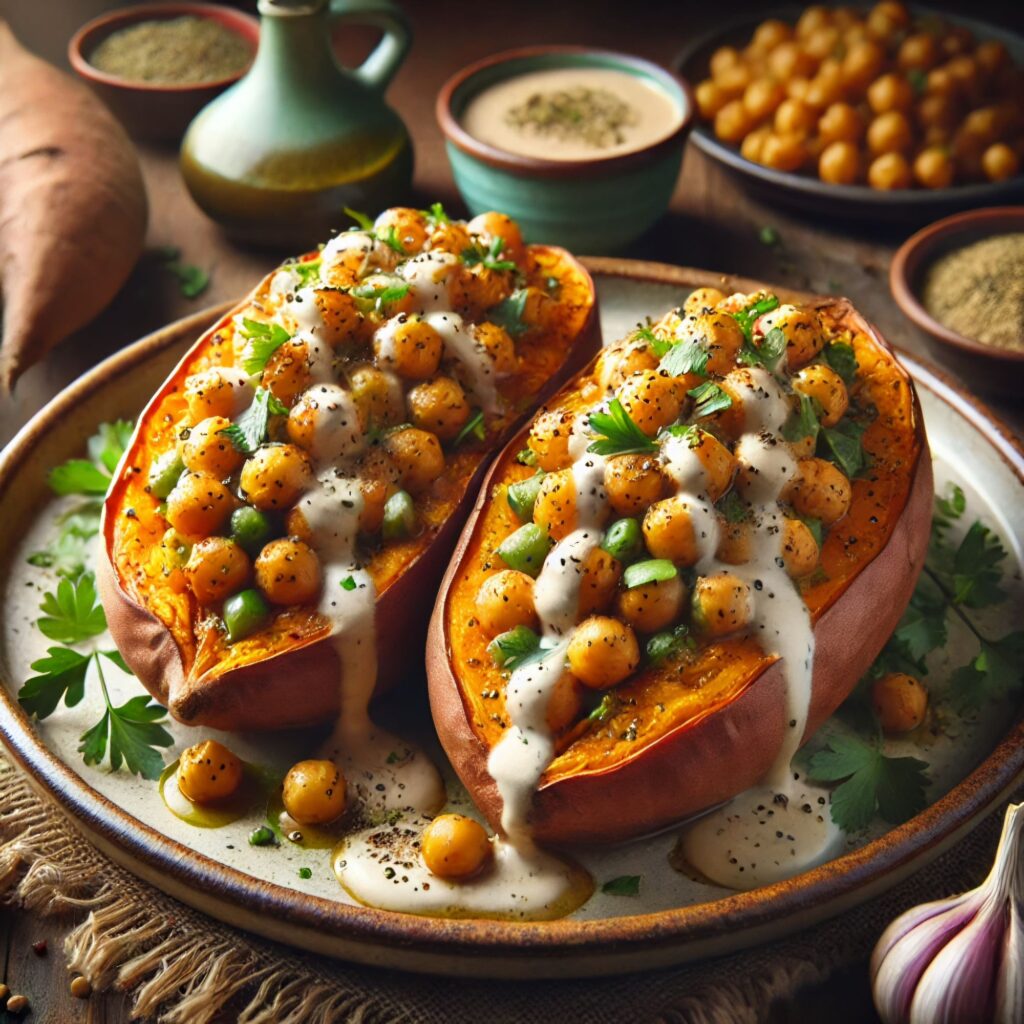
(380, 66)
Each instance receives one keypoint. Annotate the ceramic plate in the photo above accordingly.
(810, 193)
(973, 764)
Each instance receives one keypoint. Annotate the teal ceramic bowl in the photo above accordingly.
(592, 205)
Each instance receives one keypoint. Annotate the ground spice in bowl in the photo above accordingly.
(978, 291)
(174, 51)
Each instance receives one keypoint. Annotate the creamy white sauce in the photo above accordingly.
(683, 466)
(301, 313)
(337, 433)
(474, 360)
(428, 278)
(653, 114)
(360, 242)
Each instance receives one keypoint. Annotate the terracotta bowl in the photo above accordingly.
(153, 112)
(985, 366)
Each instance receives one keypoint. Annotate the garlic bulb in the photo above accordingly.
(959, 960)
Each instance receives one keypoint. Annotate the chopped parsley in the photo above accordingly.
(804, 421)
(841, 444)
(436, 215)
(685, 357)
(767, 354)
(749, 314)
(489, 258)
(364, 222)
(513, 647)
(840, 357)
(249, 431)
(616, 433)
(624, 885)
(769, 236)
(708, 399)
(348, 583)
(380, 295)
(263, 341)
(473, 427)
(510, 313)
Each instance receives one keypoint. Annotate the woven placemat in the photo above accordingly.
(179, 966)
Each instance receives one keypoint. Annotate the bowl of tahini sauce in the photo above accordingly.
(582, 147)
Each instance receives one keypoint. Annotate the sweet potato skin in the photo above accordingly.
(299, 687)
(727, 750)
(72, 207)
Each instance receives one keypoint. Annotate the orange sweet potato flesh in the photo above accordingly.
(710, 727)
(286, 675)
(72, 207)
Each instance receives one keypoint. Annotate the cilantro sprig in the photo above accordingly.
(130, 733)
(436, 215)
(767, 354)
(617, 434)
(709, 398)
(249, 431)
(749, 314)
(389, 236)
(490, 258)
(869, 781)
(510, 313)
(263, 341)
(377, 296)
(685, 357)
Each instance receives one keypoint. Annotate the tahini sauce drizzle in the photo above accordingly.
(781, 826)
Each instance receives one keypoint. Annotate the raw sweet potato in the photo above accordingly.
(72, 207)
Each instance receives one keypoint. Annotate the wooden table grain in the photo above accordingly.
(712, 223)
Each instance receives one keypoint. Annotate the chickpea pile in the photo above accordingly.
(236, 535)
(641, 598)
(877, 97)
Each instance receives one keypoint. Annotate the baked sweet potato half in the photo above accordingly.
(735, 450)
(394, 362)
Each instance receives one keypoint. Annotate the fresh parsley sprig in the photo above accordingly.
(489, 258)
(709, 398)
(264, 339)
(132, 732)
(389, 236)
(685, 357)
(510, 313)
(249, 431)
(749, 314)
(377, 296)
(436, 216)
(870, 782)
(364, 223)
(617, 434)
(767, 354)
(473, 427)
(307, 271)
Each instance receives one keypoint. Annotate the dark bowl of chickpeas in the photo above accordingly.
(893, 111)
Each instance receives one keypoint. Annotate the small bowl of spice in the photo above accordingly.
(582, 147)
(961, 280)
(157, 65)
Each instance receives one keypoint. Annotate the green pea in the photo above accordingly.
(523, 494)
(244, 613)
(250, 529)
(399, 516)
(164, 473)
(525, 549)
(624, 540)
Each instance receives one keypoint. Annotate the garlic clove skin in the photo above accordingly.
(960, 961)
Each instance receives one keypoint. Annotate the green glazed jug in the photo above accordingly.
(277, 157)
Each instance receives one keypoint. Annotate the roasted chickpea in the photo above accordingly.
(342, 319)
(652, 606)
(802, 328)
(890, 92)
(455, 847)
(900, 703)
(555, 507)
(215, 569)
(652, 399)
(733, 121)
(287, 373)
(941, 82)
(669, 533)
(761, 98)
(722, 603)
(819, 490)
(288, 571)
(886, 19)
(549, 439)
(889, 133)
(733, 82)
(564, 704)
(823, 91)
(718, 463)
(702, 300)
(794, 117)
(407, 226)
(984, 124)
(622, 361)
(991, 57)
(889, 171)
(710, 98)
(723, 59)
(499, 225)
(919, 52)
(862, 63)
(719, 334)
(598, 581)
(770, 33)
(322, 412)
(418, 456)
(933, 168)
(938, 111)
(208, 450)
(799, 549)
(967, 77)
(499, 345)
(788, 61)
(198, 505)
(1000, 162)
(378, 480)
(504, 601)
(440, 406)
(314, 792)
(208, 772)
(752, 145)
(633, 482)
(602, 652)
(409, 346)
(797, 88)
(839, 163)
(826, 387)
(841, 122)
(784, 152)
(735, 543)
(377, 396)
(220, 391)
(273, 477)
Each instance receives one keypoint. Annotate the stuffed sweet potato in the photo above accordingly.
(366, 385)
(646, 540)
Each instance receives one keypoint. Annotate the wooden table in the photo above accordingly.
(712, 224)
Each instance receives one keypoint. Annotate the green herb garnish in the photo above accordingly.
(685, 357)
(668, 644)
(814, 525)
(72, 614)
(841, 444)
(769, 236)
(747, 316)
(606, 709)
(841, 358)
(192, 280)
(616, 432)
(364, 222)
(473, 427)
(307, 271)
(526, 457)
(392, 241)
(305, 873)
(348, 583)
(624, 885)
(510, 313)
(249, 431)
(733, 508)
(767, 354)
(264, 341)
(513, 647)
(436, 215)
(708, 399)
(489, 258)
(804, 420)
(378, 296)
(262, 835)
